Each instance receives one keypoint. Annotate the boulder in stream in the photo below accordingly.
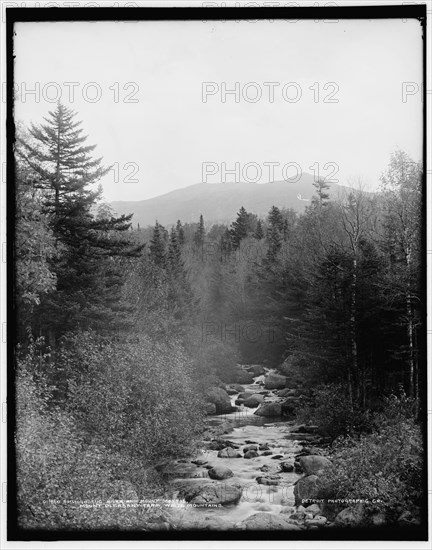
(269, 409)
(238, 387)
(268, 480)
(253, 401)
(317, 521)
(220, 398)
(245, 395)
(314, 464)
(199, 461)
(313, 509)
(263, 521)
(228, 492)
(220, 472)
(218, 444)
(353, 516)
(287, 466)
(306, 488)
(250, 454)
(275, 381)
(241, 376)
(250, 448)
(228, 452)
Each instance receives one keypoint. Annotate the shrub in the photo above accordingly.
(116, 410)
(330, 410)
(386, 465)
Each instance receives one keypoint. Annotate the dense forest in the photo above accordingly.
(122, 331)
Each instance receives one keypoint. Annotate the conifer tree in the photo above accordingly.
(275, 219)
(157, 248)
(239, 228)
(89, 247)
(180, 233)
(322, 197)
(200, 233)
(259, 232)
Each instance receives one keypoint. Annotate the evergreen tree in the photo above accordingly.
(285, 230)
(200, 233)
(89, 247)
(180, 233)
(321, 197)
(274, 244)
(174, 261)
(275, 219)
(226, 245)
(239, 228)
(259, 232)
(157, 248)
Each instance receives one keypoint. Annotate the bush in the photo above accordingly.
(385, 465)
(116, 411)
(330, 410)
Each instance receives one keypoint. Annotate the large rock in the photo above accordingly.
(220, 398)
(242, 376)
(253, 401)
(238, 387)
(218, 443)
(256, 370)
(263, 521)
(275, 381)
(353, 516)
(269, 409)
(306, 488)
(228, 452)
(250, 454)
(313, 509)
(317, 521)
(287, 466)
(314, 464)
(245, 395)
(268, 480)
(250, 448)
(220, 472)
(228, 492)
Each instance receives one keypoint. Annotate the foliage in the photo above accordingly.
(93, 423)
(385, 465)
(330, 410)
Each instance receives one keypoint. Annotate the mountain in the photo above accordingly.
(219, 202)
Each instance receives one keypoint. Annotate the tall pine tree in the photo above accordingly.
(89, 247)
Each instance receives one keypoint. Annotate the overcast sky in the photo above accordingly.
(139, 93)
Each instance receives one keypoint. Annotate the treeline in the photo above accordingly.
(335, 293)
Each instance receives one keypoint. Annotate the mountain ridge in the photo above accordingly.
(219, 202)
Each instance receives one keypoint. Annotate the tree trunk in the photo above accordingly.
(354, 354)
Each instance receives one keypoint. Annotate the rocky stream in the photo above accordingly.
(256, 468)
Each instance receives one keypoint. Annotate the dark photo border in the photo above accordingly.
(15, 15)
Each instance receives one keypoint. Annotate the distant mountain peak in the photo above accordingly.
(219, 202)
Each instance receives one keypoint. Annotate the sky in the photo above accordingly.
(332, 99)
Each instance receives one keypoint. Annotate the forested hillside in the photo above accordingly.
(123, 333)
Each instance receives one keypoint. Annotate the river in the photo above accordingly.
(242, 428)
